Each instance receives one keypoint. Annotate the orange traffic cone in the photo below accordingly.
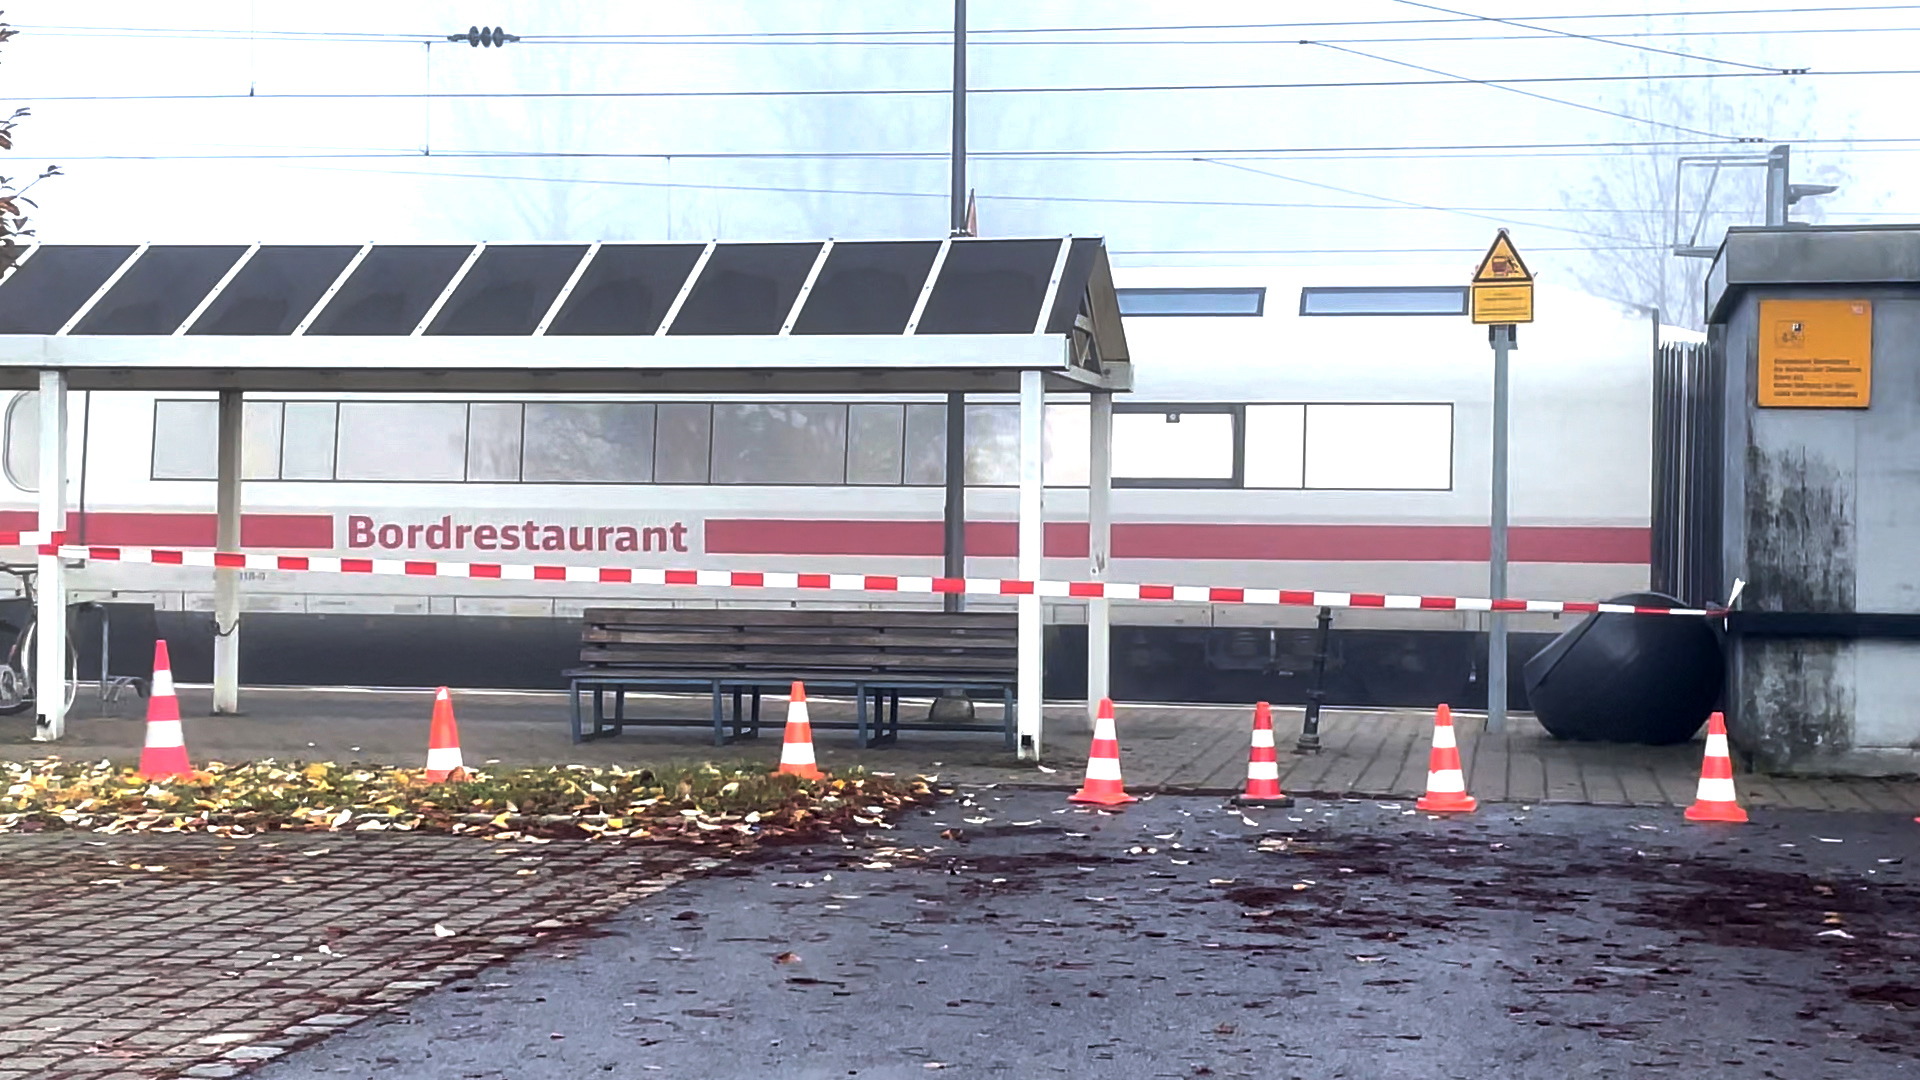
(1103, 785)
(1446, 784)
(796, 753)
(165, 754)
(1714, 798)
(1263, 765)
(443, 741)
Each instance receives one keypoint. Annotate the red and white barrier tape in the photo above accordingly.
(870, 583)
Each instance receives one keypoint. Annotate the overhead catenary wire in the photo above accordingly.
(939, 34)
(916, 91)
(1555, 31)
(1524, 151)
(1409, 203)
(1497, 85)
(1005, 197)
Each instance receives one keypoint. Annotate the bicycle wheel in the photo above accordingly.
(16, 688)
(30, 655)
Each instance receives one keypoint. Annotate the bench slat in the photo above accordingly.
(758, 617)
(755, 637)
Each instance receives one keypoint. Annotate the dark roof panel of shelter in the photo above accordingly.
(626, 289)
(1071, 297)
(745, 289)
(159, 290)
(274, 291)
(912, 289)
(990, 287)
(53, 283)
(391, 290)
(867, 288)
(508, 290)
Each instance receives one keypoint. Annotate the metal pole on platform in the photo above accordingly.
(1099, 545)
(955, 521)
(1030, 649)
(226, 581)
(50, 662)
(1502, 339)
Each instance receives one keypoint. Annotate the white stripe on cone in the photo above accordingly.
(1103, 729)
(1263, 770)
(162, 684)
(1447, 781)
(1103, 768)
(1263, 736)
(165, 734)
(792, 753)
(1443, 736)
(1715, 789)
(1717, 746)
(443, 758)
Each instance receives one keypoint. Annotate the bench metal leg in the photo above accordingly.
(860, 711)
(620, 710)
(756, 713)
(893, 718)
(719, 728)
(599, 712)
(574, 713)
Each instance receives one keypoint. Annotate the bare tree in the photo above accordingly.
(1637, 204)
(13, 219)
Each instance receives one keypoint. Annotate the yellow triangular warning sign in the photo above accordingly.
(1502, 265)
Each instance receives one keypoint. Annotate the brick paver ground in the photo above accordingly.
(1202, 749)
(161, 955)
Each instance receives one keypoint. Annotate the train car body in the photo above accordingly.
(1260, 447)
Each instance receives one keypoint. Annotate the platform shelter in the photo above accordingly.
(869, 317)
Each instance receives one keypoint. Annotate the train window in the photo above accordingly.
(1276, 446)
(307, 439)
(1173, 445)
(1372, 300)
(780, 444)
(1216, 301)
(493, 441)
(588, 443)
(186, 440)
(682, 443)
(926, 449)
(993, 445)
(875, 434)
(260, 429)
(1379, 447)
(1064, 459)
(23, 441)
(402, 440)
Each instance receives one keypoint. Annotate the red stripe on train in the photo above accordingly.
(133, 529)
(1186, 541)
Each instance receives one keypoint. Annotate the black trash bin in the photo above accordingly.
(1649, 679)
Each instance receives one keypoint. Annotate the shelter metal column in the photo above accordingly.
(50, 664)
(226, 581)
(1099, 541)
(1031, 652)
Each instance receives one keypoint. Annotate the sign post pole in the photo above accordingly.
(1502, 298)
(1502, 338)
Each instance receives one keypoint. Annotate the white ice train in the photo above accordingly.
(1262, 445)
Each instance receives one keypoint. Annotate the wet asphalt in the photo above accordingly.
(1002, 934)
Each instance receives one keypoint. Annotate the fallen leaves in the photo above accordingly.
(703, 805)
(787, 958)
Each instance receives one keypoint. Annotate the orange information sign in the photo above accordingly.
(1815, 354)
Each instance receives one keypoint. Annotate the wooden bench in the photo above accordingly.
(876, 655)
